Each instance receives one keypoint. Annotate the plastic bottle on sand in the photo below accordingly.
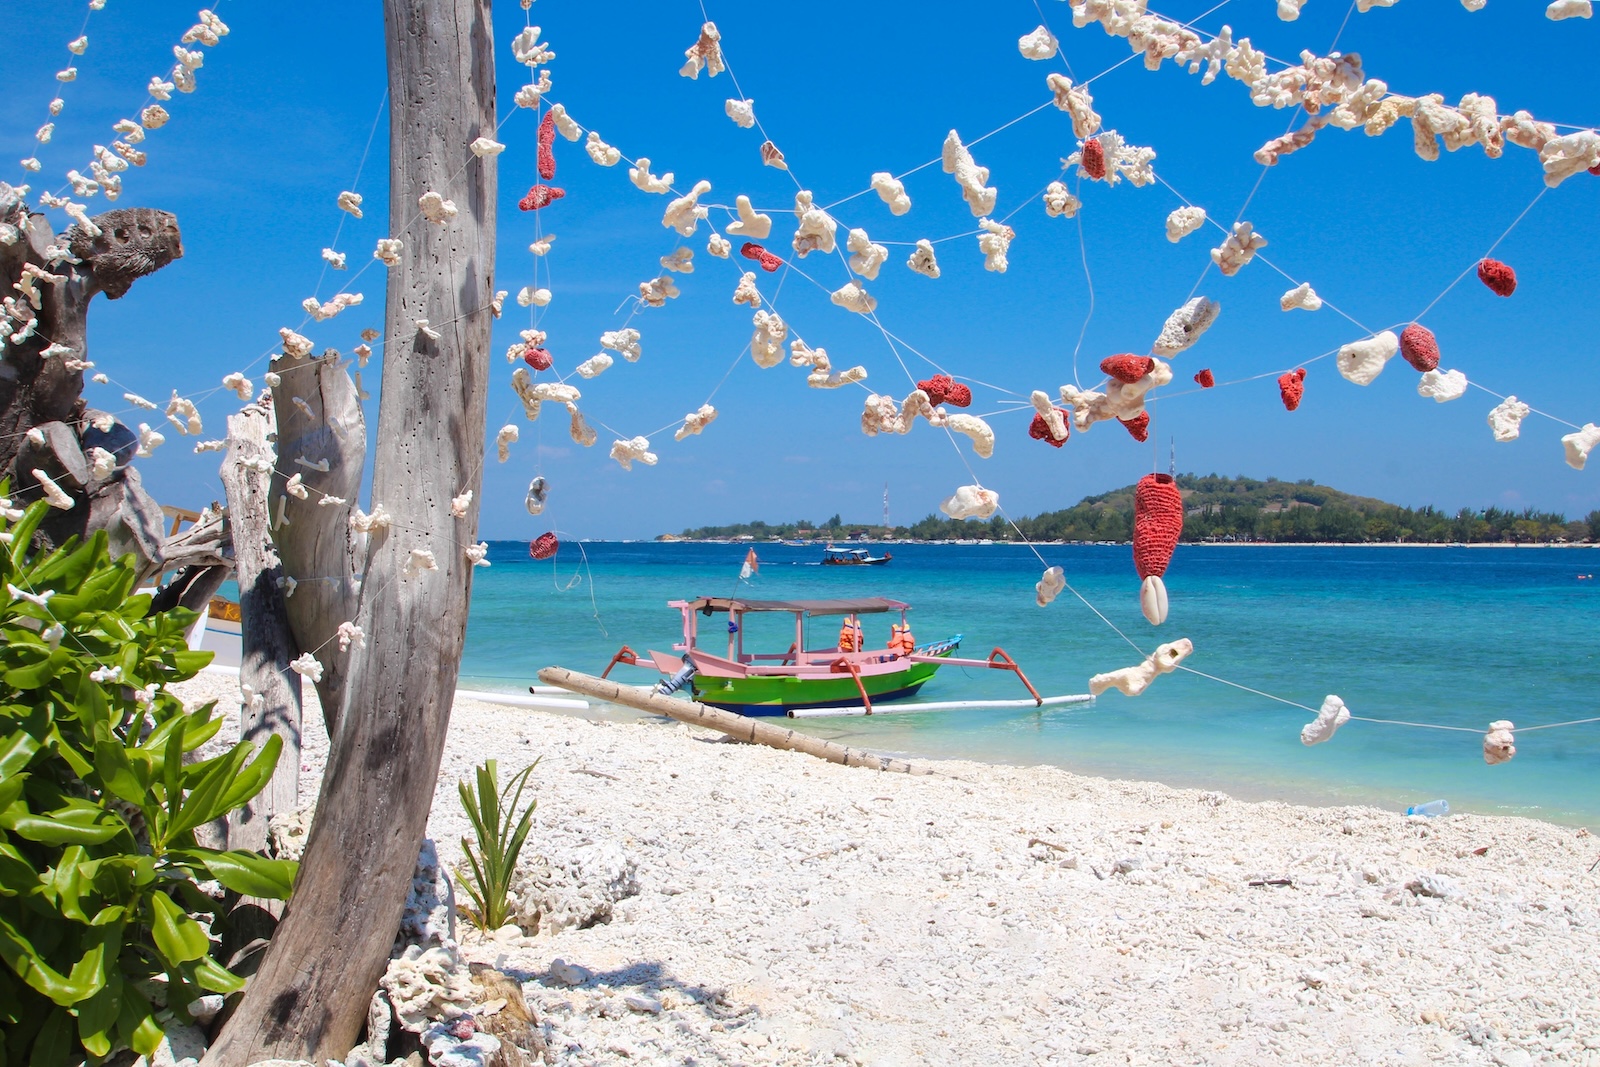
(1430, 809)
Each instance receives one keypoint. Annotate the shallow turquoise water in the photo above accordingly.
(1455, 637)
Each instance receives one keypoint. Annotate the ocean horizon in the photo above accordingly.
(1445, 636)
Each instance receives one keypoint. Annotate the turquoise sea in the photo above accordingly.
(1449, 636)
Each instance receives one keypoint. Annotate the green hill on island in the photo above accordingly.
(1219, 509)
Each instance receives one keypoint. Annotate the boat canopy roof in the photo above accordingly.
(862, 606)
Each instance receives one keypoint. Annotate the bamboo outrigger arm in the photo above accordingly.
(998, 660)
(735, 726)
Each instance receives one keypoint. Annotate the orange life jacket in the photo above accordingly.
(850, 635)
(900, 641)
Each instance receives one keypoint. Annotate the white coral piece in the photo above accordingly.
(1301, 297)
(971, 502)
(1183, 221)
(636, 450)
(971, 177)
(1185, 326)
(1135, 680)
(1362, 361)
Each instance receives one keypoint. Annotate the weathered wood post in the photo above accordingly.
(267, 646)
(309, 998)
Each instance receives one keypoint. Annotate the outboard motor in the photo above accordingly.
(668, 686)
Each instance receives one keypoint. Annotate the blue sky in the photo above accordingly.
(252, 163)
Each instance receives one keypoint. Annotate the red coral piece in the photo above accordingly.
(537, 358)
(1420, 347)
(540, 196)
(1127, 369)
(1138, 426)
(1039, 430)
(1157, 523)
(1205, 379)
(544, 546)
(958, 395)
(463, 1028)
(769, 262)
(547, 129)
(547, 162)
(1497, 276)
(1292, 387)
(938, 387)
(1595, 169)
(1094, 159)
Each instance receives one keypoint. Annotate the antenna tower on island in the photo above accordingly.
(886, 526)
(1172, 462)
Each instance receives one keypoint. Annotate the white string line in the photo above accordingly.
(1088, 280)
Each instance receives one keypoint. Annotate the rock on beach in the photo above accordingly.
(714, 902)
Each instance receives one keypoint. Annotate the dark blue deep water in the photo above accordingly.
(1449, 636)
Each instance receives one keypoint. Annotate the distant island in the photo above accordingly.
(1219, 509)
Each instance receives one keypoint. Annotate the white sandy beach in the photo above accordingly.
(790, 911)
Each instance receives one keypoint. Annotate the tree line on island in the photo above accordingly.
(1218, 508)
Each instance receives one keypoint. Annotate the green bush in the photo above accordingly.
(104, 921)
(491, 860)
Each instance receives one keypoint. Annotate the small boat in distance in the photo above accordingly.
(852, 557)
(841, 674)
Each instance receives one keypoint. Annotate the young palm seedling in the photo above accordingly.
(500, 831)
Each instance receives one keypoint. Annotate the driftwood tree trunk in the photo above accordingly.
(320, 422)
(309, 998)
(736, 726)
(274, 704)
(46, 285)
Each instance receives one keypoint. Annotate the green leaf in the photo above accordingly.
(247, 873)
(67, 884)
(254, 778)
(34, 675)
(213, 977)
(118, 774)
(54, 1041)
(190, 663)
(84, 981)
(80, 823)
(97, 1018)
(16, 749)
(178, 938)
(204, 801)
(136, 1026)
(22, 532)
(200, 726)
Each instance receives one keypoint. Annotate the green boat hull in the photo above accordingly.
(769, 695)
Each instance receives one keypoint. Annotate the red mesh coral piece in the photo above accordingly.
(1204, 379)
(540, 196)
(544, 546)
(537, 358)
(1157, 523)
(1039, 430)
(1497, 276)
(958, 395)
(1595, 169)
(1420, 347)
(938, 387)
(1127, 369)
(547, 129)
(547, 162)
(768, 261)
(1138, 426)
(1094, 160)
(1292, 387)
